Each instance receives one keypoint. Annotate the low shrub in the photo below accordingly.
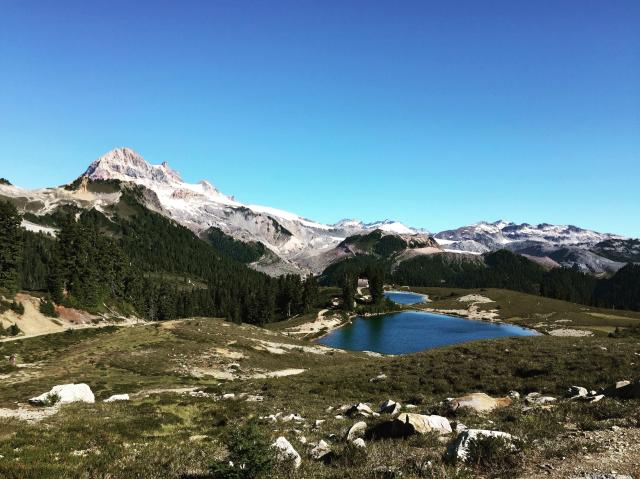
(497, 455)
(250, 455)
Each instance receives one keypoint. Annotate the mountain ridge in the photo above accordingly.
(298, 244)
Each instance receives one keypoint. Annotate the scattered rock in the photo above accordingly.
(356, 431)
(117, 397)
(360, 443)
(228, 396)
(513, 395)
(390, 407)
(286, 452)
(460, 449)
(538, 399)
(318, 422)
(576, 392)
(407, 424)
(293, 417)
(378, 378)
(320, 451)
(624, 390)
(65, 393)
(479, 402)
(359, 409)
(602, 476)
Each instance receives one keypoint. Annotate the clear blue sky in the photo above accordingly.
(437, 114)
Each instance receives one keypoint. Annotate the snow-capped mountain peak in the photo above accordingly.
(201, 206)
(126, 165)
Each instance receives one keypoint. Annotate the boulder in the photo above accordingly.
(479, 402)
(117, 397)
(624, 390)
(293, 417)
(390, 407)
(513, 395)
(407, 424)
(577, 392)
(65, 393)
(357, 430)
(359, 409)
(360, 443)
(538, 399)
(286, 452)
(320, 451)
(460, 448)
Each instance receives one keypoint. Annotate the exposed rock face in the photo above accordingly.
(65, 393)
(564, 245)
(479, 402)
(460, 449)
(286, 452)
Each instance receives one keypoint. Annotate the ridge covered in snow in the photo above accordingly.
(201, 206)
(298, 244)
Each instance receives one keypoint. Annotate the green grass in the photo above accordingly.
(178, 436)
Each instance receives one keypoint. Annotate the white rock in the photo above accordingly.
(576, 392)
(357, 430)
(537, 398)
(321, 450)
(285, 451)
(359, 409)
(293, 417)
(228, 396)
(66, 393)
(117, 397)
(359, 443)
(460, 449)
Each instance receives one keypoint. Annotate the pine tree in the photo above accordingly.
(375, 275)
(10, 247)
(349, 282)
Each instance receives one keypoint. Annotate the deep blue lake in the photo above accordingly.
(412, 331)
(402, 297)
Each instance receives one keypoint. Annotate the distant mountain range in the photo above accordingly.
(297, 244)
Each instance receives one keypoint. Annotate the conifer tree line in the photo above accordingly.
(500, 269)
(144, 264)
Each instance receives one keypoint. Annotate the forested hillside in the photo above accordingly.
(141, 261)
(501, 269)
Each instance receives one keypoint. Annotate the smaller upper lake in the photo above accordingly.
(403, 297)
